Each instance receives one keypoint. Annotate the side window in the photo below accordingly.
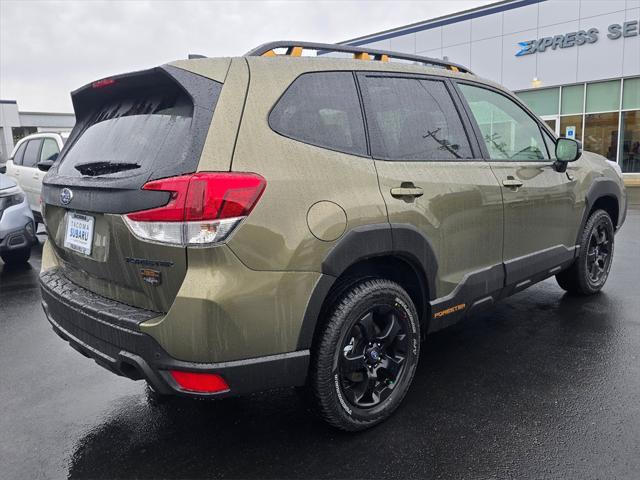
(413, 119)
(17, 158)
(30, 158)
(508, 131)
(50, 150)
(322, 109)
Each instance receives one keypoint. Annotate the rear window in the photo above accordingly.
(322, 109)
(128, 135)
(17, 158)
(413, 119)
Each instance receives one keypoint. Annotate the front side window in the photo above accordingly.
(31, 153)
(322, 109)
(50, 150)
(413, 119)
(507, 130)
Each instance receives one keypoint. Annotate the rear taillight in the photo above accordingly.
(204, 208)
(199, 382)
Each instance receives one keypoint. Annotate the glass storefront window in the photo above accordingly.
(630, 142)
(601, 134)
(569, 123)
(631, 93)
(542, 102)
(603, 96)
(572, 99)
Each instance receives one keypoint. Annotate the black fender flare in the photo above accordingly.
(361, 243)
(602, 187)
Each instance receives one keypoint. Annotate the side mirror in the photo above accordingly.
(45, 165)
(567, 150)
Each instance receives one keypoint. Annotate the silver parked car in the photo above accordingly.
(17, 226)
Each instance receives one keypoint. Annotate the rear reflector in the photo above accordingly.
(199, 382)
(203, 209)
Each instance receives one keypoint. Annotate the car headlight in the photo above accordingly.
(10, 201)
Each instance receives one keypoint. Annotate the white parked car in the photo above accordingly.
(38, 148)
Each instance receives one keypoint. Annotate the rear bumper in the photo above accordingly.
(107, 332)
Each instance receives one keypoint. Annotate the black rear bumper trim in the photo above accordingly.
(136, 355)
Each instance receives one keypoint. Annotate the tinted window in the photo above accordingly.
(322, 109)
(143, 129)
(413, 119)
(50, 150)
(17, 158)
(31, 153)
(508, 131)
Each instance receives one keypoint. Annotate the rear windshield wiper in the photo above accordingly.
(93, 169)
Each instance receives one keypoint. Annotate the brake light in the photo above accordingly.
(199, 382)
(203, 209)
(105, 82)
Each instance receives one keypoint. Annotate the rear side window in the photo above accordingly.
(322, 109)
(17, 158)
(50, 150)
(32, 153)
(413, 119)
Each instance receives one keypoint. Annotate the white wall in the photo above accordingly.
(488, 44)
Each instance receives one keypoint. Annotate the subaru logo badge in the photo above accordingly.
(66, 195)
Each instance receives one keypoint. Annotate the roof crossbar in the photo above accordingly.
(360, 53)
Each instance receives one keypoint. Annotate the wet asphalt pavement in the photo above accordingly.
(542, 386)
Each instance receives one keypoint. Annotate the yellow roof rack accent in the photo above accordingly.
(361, 56)
(295, 49)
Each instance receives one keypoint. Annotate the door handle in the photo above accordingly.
(512, 183)
(36, 176)
(399, 192)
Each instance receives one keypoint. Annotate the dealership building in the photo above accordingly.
(575, 62)
(16, 124)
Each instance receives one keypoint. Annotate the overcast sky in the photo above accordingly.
(48, 48)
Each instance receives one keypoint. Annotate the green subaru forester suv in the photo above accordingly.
(219, 226)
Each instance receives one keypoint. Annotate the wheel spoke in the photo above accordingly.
(351, 364)
(392, 366)
(367, 327)
(389, 335)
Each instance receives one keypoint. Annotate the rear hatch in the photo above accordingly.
(130, 129)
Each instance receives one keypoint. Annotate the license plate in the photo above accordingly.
(79, 234)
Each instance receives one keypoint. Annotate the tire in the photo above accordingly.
(590, 271)
(16, 257)
(365, 355)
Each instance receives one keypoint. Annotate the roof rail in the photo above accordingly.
(295, 49)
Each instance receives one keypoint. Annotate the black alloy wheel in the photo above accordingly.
(374, 353)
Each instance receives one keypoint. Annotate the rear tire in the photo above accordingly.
(365, 355)
(590, 271)
(16, 257)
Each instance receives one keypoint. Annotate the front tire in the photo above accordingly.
(590, 271)
(365, 356)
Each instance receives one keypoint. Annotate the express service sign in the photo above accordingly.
(572, 39)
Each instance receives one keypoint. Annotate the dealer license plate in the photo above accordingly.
(79, 234)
